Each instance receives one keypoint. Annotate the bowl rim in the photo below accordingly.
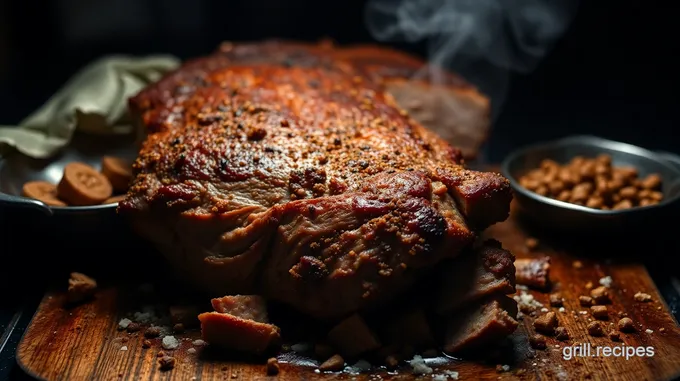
(591, 141)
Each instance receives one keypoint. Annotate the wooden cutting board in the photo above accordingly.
(83, 343)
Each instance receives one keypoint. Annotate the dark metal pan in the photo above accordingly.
(88, 222)
(552, 213)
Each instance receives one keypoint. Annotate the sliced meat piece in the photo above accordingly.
(481, 325)
(411, 328)
(533, 272)
(243, 335)
(485, 270)
(352, 337)
(249, 307)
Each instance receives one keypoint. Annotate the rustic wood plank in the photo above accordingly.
(83, 343)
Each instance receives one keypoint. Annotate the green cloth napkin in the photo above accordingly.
(93, 101)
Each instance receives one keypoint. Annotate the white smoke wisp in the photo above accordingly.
(483, 40)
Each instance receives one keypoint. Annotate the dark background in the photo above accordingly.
(613, 74)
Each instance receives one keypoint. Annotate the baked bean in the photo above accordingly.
(594, 182)
(623, 204)
(629, 193)
(595, 202)
(652, 181)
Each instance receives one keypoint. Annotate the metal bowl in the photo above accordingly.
(17, 169)
(563, 215)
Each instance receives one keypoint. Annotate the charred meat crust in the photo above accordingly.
(284, 170)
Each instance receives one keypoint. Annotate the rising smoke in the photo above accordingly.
(484, 40)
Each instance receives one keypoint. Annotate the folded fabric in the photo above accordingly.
(93, 101)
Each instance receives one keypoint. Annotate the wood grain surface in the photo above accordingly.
(83, 343)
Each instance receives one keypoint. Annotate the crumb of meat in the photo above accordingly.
(642, 297)
(124, 323)
(146, 344)
(133, 327)
(152, 331)
(160, 354)
(546, 323)
(561, 334)
(391, 362)
(649, 331)
(80, 287)
(124, 348)
(169, 342)
(614, 336)
(556, 300)
(662, 329)
(606, 281)
(599, 312)
(537, 342)
(595, 329)
(626, 325)
(531, 243)
(589, 285)
(600, 295)
(334, 364)
(419, 366)
(577, 264)
(191, 350)
(179, 328)
(272, 366)
(167, 362)
(198, 342)
(585, 301)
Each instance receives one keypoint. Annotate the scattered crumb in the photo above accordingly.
(167, 362)
(584, 312)
(272, 366)
(133, 327)
(556, 300)
(642, 297)
(452, 374)
(606, 281)
(589, 285)
(599, 312)
(614, 336)
(626, 325)
(600, 295)
(123, 348)
(595, 329)
(544, 309)
(191, 350)
(146, 344)
(198, 342)
(391, 362)
(170, 342)
(662, 329)
(418, 365)
(124, 323)
(334, 364)
(531, 243)
(152, 331)
(80, 287)
(585, 301)
(546, 323)
(577, 264)
(561, 334)
(649, 330)
(537, 342)
(562, 309)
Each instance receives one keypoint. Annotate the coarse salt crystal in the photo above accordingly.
(198, 342)
(649, 330)
(169, 342)
(124, 323)
(191, 350)
(606, 281)
(123, 348)
(419, 366)
(562, 309)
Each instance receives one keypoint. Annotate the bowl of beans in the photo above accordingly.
(587, 182)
